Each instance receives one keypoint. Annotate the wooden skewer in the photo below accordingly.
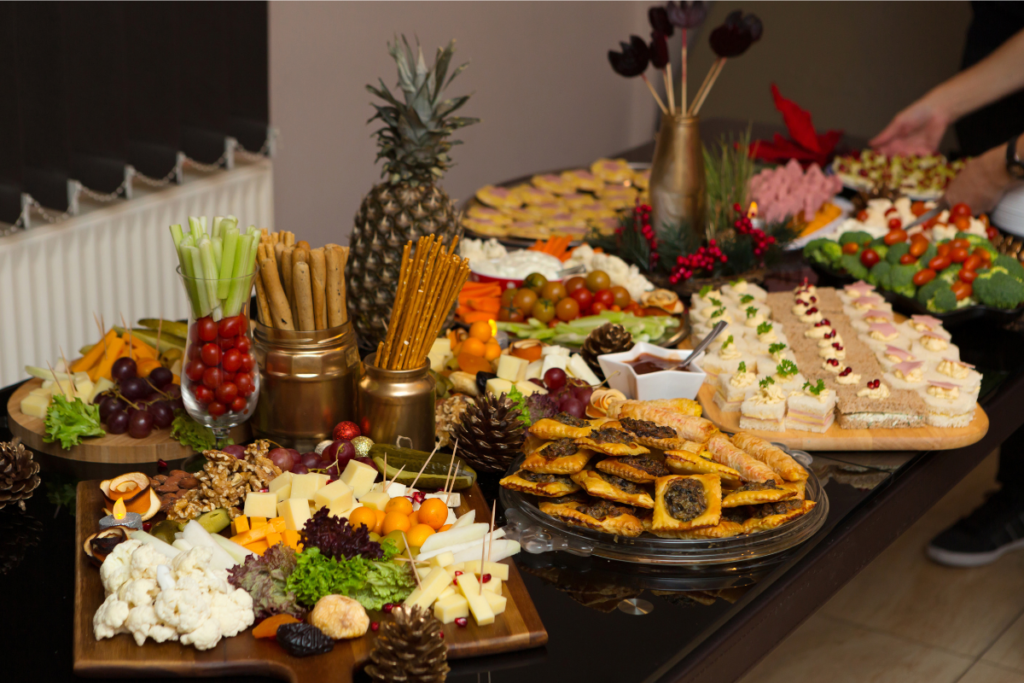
(682, 84)
(448, 494)
(483, 555)
(159, 331)
(490, 543)
(130, 336)
(415, 574)
(437, 445)
(669, 90)
(400, 470)
(384, 486)
(705, 88)
(654, 92)
(448, 474)
(67, 369)
(55, 380)
(103, 332)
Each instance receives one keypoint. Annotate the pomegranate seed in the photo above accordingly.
(461, 622)
(161, 464)
(485, 578)
(374, 626)
(440, 634)
(845, 372)
(833, 362)
(388, 607)
(146, 526)
(837, 346)
(458, 573)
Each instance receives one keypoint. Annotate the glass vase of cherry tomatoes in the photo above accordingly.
(220, 382)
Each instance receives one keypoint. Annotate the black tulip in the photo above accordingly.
(752, 25)
(659, 50)
(736, 35)
(687, 14)
(633, 59)
(658, 16)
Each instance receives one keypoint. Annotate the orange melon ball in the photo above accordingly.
(401, 504)
(433, 512)
(481, 330)
(395, 521)
(491, 350)
(473, 346)
(414, 518)
(418, 534)
(365, 516)
(446, 527)
(380, 521)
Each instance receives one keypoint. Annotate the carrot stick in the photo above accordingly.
(477, 316)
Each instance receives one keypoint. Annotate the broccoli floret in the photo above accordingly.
(931, 252)
(949, 275)
(879, 275)
(881, 249)
(858, 236)
(942, 298)
(896, 251)
(927, 291)
(824, 252)
(994, 287)
(901, 279)
(977, 241)
(1012, 266)
(852, 265)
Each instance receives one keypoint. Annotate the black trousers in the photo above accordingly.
(1011, 462)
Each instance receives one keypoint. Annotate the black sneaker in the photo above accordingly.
(983, 536)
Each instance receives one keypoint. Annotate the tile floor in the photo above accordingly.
(905, 619)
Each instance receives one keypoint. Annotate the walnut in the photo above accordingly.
(224, 482)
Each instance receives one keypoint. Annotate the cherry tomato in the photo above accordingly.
(983, 254)
(621, 296)
(605, 297)
(918, 247)
(226, 393)
(597, 307)
(515, 315)
(862, 215)
(869, 257)
(918, 209)
(507, 296)
(212, 377)
(960, 243)
(895, 224)
(226, 343)
(524, 299)
(216, 408)
(229, 377)
(554, 291)
(194, 370)
(574, 283)
(960, 209)
(244, 384)
(231, 360)
(962, 289)
(930, 223)
(851, 248)
(207, 329)
(992, 232)
(943, 249)
(907, 259)
(583, 297)
(194, 349)
(958, 255)
(567, 309)
(939, 263)
(895, 236)
(247, 362)
(239, 405)
(973, 262)
(211, 354)
(543, 310)
(243, 344)
(203, 394)
(923, 277)
(962, 223)
(229, 327)
(967, 276)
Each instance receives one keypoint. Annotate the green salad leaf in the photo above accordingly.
(520, 402)
(71, 421)
(194, 435)
(373, 584)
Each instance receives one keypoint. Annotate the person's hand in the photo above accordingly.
(915, 130)
(982, 182)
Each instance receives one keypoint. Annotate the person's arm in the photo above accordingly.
(984, 180)
(919, 128)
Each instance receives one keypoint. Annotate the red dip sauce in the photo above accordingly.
(645, 363)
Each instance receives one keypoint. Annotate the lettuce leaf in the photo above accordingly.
(71, 421)
(265, 578)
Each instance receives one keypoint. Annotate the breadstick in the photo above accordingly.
(287, 261)
(343, 252)
(303, 295)
(302, 244)
(318, 279)
(289, 238)
(279, 308)
(261, 301)
(335, 283)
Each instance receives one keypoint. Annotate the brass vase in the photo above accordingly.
(397, 404)
(677, 186)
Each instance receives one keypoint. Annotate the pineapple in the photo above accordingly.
(414, 143)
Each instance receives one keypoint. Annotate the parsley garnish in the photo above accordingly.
(764, 328)
(746, 298)
(727, 341)
(775, 348)
(704, 291)
(718, 312)
(715, 302)
(786, 368)
(742, 369)
(765, 382)
(815, 389)
(736, 282)
(751, 311)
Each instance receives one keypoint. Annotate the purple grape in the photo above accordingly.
(109, 405)
(134, 388)
(365, 461)
(554, 378)
(572, 407)
(296, 456)
(161, 377)
(140, 425)
(332, 471)
(123, 369)
(173, 391)
(235, 450)
(311, 461)
(117, 422)
(539, 382)
(299, 468)
(162, 414)
(340, 452)
(582, 394)
(282, 457)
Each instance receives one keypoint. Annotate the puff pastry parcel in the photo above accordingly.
(685, 462)
(750, 469)
(611, 441)
(724, 529)
(636, 468)
(539, 484)
(653, 435)
(776, 458)
(558, 457)
(772, 515)
(684, 502)
(754, 493)
(561, 426)
(610, 487)
(598, 515)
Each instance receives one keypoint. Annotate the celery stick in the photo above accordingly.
(245, 255)
(218, 250)
(216, 231)
(176, 234)
(227, 262)
(209, 275)
(202, 302)
(195, 229)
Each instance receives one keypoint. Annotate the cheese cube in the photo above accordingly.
(579, 369)
(291, 539)
(431, 587)
(394, 490)
(496, 569)
(553, 361)
(273, 538)
(424, 572)
(454, 499)
(442, 560)
(277, 524)
(450, 590)
(492, 586)
(258, 547)
(39, 391)
(336, 490)
(440, 353)
(35, 406)
(512, 368)
(451, 608)
(324, 478)
(496, 601)
(457, 567)
(498, 386)
(376, 500)
(239, 524)
(282, 486)
(478, 605)
(80, 376)
(84, 388)
(338, 509)
(452, 517)
(295, 512)
(257, 522)
(305, 486)
(359, 477)
(553, 350)
(260, 504)
(103, 384)
(527, 388)
(533, 369)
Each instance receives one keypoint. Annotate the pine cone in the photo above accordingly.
(19, 473)
(410, 648)
(18, 532)
(490, 433)
(447, 414)
(609, 338)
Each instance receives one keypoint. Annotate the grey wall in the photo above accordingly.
(545, 91)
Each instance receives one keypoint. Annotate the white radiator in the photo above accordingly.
(115, 260)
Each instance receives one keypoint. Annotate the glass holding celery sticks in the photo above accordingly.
(220, 384)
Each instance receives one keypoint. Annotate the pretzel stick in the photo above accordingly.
(384, 348)
(318, 274)
(286, 279)
(303, 296)
(289, 238)
(279, 308)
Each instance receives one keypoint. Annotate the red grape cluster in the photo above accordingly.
(220, 368)
(642, 218)
(702, 259)
(567, 395)
(332, 460)
(136, 404)
(744, 226)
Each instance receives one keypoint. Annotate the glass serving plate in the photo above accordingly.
(541, 533)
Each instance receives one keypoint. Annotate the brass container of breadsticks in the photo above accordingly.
(308, 384)
(397, 403)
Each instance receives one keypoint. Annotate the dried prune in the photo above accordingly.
(303, 640)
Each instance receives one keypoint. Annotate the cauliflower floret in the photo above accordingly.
(143, 623)
(110, 617)
(196, 564)
(233, 611)
(144, 562)
(185, 607)
(138, 593)
(114, 570)
(205, 637)
(619, 272)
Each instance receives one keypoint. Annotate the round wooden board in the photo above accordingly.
(109, 449)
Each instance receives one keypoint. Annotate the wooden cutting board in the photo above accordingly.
(925, 438)
(517, 629)
(109, 449)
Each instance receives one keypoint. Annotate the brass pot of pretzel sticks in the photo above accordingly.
(304, 345)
